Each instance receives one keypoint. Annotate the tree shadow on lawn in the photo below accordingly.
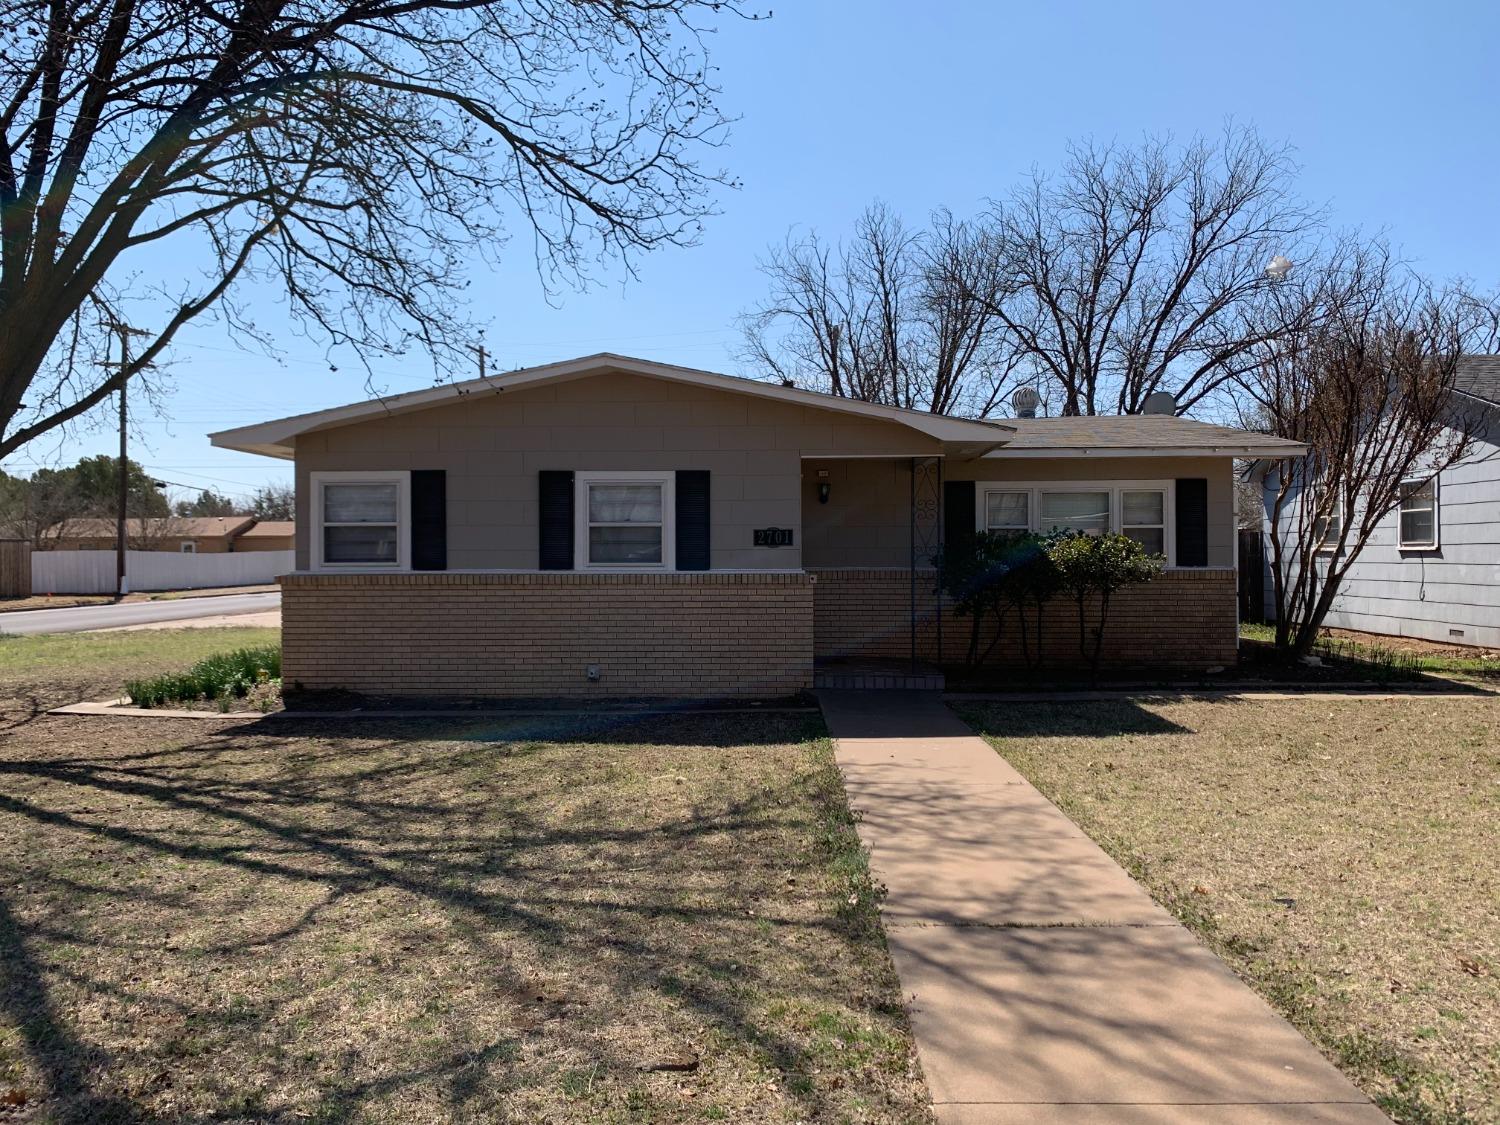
(1104, 718)
(445, 919)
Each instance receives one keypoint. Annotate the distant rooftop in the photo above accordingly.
(268, 529)
(188, 527)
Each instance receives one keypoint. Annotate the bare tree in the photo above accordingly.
(274, 502)
(1368, 386)
(877, 319)
(1139, 269)
(351, 152)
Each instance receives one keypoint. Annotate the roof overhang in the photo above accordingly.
(277, 438)
(1239, 452)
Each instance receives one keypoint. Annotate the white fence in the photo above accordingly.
(93, 572)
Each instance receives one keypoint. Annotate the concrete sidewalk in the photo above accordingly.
(1044, 985)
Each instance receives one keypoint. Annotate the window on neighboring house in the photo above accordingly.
(1087, 512)
(625, 520)
(1419, 515)
(188, 547)
(361, 519)
(1007, 512)
(1326, 529)
(1143, 517)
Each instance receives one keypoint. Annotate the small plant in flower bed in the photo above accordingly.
(230, 675)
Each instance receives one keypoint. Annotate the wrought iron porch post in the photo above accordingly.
(926, 495)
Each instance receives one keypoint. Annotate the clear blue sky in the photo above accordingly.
(1391, 107)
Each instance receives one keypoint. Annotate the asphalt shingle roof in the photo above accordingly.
(1479, 376)
(1134, 431)
(271, 529)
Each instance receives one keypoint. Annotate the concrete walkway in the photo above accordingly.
(1044, 985)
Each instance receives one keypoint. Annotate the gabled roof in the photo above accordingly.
(1133, 435)
(1478, 376)
(275, 439)
(1138, 435)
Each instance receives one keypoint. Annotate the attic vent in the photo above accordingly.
(1160, 402)
(1024, 402)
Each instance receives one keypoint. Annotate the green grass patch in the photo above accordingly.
(143, 650)
(227, 675)
(1393, 660)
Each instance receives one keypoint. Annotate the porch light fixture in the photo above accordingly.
(824, 488)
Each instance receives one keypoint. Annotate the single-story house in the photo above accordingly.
(203, 535)
(613, 526)
(1431, 569)
(267, 535)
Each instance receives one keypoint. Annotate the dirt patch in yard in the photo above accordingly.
(1416, 646)
(1341, 856)
(530, 919)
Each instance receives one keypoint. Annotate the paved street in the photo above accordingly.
(84, 618)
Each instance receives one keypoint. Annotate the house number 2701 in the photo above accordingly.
(773, 537)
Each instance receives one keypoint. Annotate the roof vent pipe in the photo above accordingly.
(1024, 401)
(1160, 402)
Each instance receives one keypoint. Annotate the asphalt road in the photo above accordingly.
(82, 618)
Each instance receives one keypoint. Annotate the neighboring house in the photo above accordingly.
(267, 535)
(618, 527)
(187, 534)
(1431, 570)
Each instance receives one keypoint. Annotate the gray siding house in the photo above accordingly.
(1432, 569)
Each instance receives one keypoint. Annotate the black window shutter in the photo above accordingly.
(429, 519)
(958, 514)
(555, 520)
(693, 540)
(1192, 521)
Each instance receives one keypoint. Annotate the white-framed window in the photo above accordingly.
(1083, 509)
(1328, 528)
(1418, 517)
(1007, 510)
(624, 521)
(361, 520)
(1143, 517)
(1141, 509)
(188, 546)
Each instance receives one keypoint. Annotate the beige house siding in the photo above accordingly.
(866, 522)
(264, 543)
(535, 635)
(493, 446)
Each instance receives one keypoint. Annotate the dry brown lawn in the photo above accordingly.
(1343, 856)
(280, 920)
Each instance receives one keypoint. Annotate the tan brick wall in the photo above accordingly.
(452, 634)
(1184, 619)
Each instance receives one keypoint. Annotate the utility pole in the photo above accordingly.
(483, 355)
(122, 583)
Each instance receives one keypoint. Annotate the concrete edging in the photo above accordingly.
(121, 709)
(1259, 691)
